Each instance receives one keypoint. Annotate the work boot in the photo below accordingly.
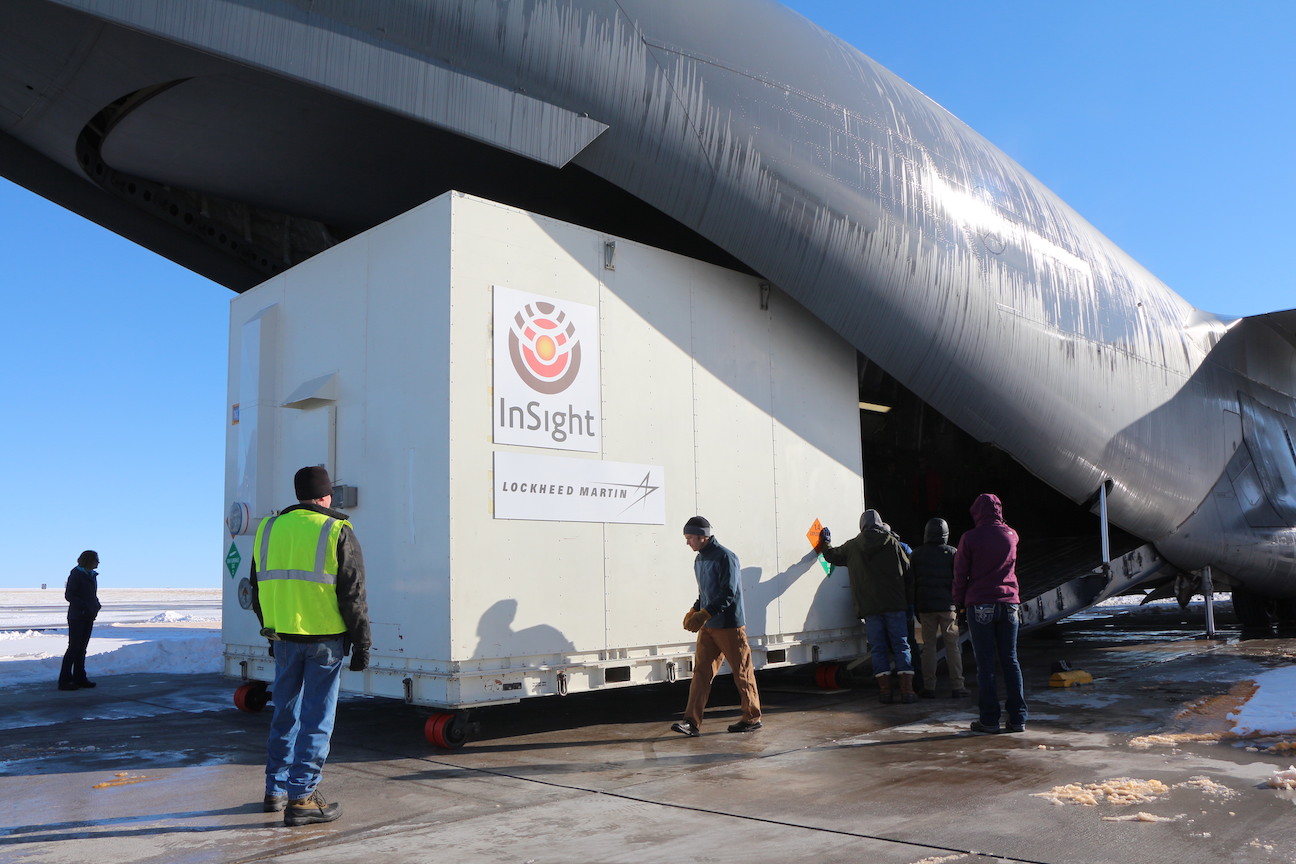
(274, 803)
(885, 695)
(685, 727)
(907, 694)
(311, 809)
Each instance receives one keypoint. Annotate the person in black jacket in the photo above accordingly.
(933, 571)
(82, 595)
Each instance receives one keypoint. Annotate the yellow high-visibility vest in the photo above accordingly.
(296, 562)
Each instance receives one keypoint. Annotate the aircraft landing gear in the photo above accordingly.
(1257, 615)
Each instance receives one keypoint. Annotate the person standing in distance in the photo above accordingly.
(985, 583)
(308, 592)
(718, 618)
(82, 595)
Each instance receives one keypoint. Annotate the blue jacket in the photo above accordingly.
(719, 580)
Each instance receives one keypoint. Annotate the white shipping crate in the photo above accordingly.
(527, 412)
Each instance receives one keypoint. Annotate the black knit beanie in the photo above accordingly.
(699, 526)
(312, 482)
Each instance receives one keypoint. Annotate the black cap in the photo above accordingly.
(312, 482)
(699, 526)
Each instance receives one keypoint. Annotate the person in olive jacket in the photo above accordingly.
(883, 593)
(82, 595)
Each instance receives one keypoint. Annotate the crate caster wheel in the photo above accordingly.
(252, 697)
(829, 676)
(446, 729)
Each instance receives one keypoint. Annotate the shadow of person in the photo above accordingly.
(759, 596)
(497, 638)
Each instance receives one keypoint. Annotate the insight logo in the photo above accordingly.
(545, 347)
(543, 396)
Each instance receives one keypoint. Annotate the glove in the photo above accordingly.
(695, 621)
(359, 659)
(825, 540)
(687, 616)
(270, 647)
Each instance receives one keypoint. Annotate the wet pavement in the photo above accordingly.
(161, 768)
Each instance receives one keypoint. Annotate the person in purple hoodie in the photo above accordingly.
(985, 584)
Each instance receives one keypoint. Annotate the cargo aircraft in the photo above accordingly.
(1012, 347)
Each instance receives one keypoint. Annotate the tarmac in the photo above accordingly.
(163, 768)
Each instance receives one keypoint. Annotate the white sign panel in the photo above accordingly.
(560, 489)
(546, 364)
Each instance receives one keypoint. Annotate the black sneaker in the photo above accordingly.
(86, 684)
(274, 803)
(685, 727)
(68, 685)
(310, 810)
(746, 726)
(1016, 727)
(978, 726)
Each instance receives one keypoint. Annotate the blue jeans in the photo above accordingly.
(993, 627)
(305, 694)
(888, 640)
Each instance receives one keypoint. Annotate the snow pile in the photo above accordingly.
(170, 632)
(175, 652)
(12, 635)
(173, 617)
(1121, 791)
(1141, 817)
(1283, 779)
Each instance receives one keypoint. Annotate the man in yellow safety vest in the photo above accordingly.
(308, 592)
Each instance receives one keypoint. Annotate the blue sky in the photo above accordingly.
(1168, 125)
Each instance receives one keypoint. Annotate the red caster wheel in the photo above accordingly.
(251, 697)
(447, 729)
(828, 676)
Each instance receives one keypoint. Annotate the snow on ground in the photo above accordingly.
(174, 632)
(1272, 710)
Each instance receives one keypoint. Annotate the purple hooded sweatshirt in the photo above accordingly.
(985, 566)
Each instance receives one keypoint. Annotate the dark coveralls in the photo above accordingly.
(82, 594)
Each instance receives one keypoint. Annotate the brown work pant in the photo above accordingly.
(938, 626)
(730, 643)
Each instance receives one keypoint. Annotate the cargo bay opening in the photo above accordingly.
(918, 465)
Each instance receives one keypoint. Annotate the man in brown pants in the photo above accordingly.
(718, 619)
